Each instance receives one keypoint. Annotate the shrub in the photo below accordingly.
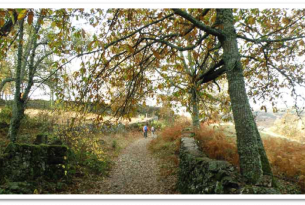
(114, 144)
(216, 145)
(96, 164)
(287, 159)
(166, 146)
(6, 115)
(157, 124)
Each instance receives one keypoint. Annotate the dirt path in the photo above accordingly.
(135, 172)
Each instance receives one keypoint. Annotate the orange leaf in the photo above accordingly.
(30, 17)
(2, 22)
(2, 13)
(156, 54)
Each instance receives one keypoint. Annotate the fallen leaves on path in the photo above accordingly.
(136, 172)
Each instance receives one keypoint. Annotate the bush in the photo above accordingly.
(114, 144)
(96, 165)
(216, 145)
(287, 159)
(157, 124)
(166, 146)
(6, 115)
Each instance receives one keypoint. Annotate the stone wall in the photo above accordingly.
(199, 174)
(24, 162)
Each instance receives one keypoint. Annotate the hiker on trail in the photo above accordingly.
(145, 129)
(153, 131)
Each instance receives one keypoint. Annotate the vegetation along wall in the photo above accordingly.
(199, 174)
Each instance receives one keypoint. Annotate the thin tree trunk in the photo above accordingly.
(195, 110)
(253, 160)
(18, 104)
(3, 82)
(51, 97)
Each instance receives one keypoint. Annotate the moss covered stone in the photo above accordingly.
(22, 162)
(200, 175)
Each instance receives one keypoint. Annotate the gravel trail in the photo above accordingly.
(135, 172)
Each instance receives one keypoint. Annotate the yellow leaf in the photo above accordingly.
(53, 24)
(286, 20)
(36, 191)
(22, 14)
(247, 61)
(213, 19)
(251, 20)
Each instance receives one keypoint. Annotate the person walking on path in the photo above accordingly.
(153, 131)
(145, 130)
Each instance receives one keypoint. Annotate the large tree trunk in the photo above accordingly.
(253, 160)
(195, 110)
(18, 104)
(264, 159)
(17, 116)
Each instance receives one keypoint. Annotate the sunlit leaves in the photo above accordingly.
(21, 13)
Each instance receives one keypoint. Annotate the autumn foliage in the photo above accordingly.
(166, 146)
(216, 145)
(286, 157)
(169, 136)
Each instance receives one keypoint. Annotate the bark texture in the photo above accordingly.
(195, 110)
(253, 159)
(18, 105)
